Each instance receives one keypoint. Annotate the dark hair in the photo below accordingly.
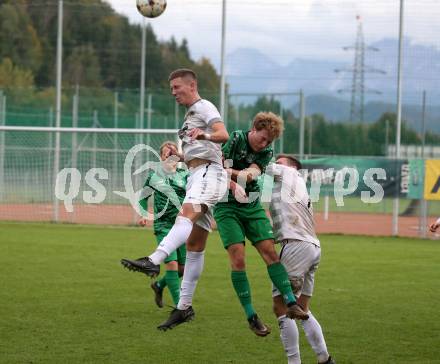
(293, 162)
(182, 72)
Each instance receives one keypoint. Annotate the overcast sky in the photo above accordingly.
(288, 29)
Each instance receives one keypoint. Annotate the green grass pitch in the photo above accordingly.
(65, 298)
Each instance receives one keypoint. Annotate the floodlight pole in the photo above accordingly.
(424, 203)
(142, 95)
(56, 164)
(387, 132)
(115, 137)
(176, 116)
(423, 123)
(149, 114)
(282, 135)
(2, 144)
(399, 120)
(75, 125)
(301, 124)
(50, 148)
(222, 64)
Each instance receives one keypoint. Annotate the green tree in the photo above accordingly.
(18, 38)
(82, 67)
(377, 132)
(12, 77)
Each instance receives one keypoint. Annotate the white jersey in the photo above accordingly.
(202, 114)
(290, 206)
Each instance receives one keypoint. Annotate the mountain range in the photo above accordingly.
(328, 92)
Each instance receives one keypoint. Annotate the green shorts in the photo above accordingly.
(178, 255)
(235, 222)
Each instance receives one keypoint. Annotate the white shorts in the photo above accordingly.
(206, 185)
(301, 259)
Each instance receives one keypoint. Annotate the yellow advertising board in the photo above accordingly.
(432, 179)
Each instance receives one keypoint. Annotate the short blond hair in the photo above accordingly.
(269, 121)
(182, 72)
(166, 144)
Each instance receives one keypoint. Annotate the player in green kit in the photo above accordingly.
(167, 182)
(243, 216)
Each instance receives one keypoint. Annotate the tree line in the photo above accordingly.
(334, 138)
(102, 53)
(100, 47)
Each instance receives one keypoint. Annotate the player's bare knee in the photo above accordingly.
(171, 265)
(238, 264)
(237, 257)
(238, 261)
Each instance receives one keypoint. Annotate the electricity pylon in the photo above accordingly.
(358, 71)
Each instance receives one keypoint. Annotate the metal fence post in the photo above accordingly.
(282, 135)
(149, 113)
(50, 150)
(176, 115)
(115, 140)
(301, 124)
(75, 105)
(424, 203)
(59, 66)
(95, 138)
(2, 144)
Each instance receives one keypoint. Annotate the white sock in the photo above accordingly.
(290, 339)
(191, 274)
(315, 337)
(175, 238)
(293, 359)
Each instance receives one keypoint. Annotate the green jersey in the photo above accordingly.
(169, 192)
(238, 149)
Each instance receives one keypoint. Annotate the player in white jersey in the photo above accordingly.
(202, 134)
(294, 229)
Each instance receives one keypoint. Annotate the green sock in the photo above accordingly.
(162, 283)
(280, 279)
(173, 283)
(243, 290)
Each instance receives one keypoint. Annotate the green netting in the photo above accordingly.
(108, 108)
(28, 160)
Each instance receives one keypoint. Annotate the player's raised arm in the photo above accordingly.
(219, 133)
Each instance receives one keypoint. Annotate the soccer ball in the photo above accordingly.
(151, 8)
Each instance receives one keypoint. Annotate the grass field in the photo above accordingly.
(65, 299)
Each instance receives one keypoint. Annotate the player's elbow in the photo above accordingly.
(223, 136)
